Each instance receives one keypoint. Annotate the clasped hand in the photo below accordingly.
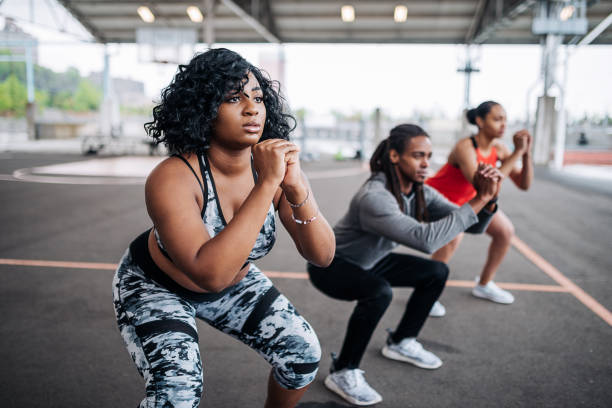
(522, 141)
(487, 181)
(277, 161)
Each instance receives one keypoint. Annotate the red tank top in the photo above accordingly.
(451, 183)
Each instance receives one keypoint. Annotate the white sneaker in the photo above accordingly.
(351, 385)
(492, 292)
(437, 310)
(409, 350)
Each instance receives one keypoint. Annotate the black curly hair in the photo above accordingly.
(183, 120)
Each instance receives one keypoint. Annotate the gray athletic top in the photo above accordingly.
(374, 224)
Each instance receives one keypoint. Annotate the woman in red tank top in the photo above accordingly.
(454, 181)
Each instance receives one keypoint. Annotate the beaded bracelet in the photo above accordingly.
(304, 222)
(300, 204)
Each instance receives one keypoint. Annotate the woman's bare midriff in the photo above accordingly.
(176, 274)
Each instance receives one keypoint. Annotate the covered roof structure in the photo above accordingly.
(318, 21)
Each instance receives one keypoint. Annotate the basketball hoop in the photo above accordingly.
(165, 45)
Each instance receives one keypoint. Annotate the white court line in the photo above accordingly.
(271, 274)
(562, 280)
(23, 175)
(125, 170)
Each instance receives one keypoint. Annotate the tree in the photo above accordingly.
(6, 101)
(42, 99)
(62, 100)
(87, 97)
(13, 96)
(67, 90)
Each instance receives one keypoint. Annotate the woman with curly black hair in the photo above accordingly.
(213, 204)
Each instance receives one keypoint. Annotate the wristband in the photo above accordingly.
(300, 204)
(304, 222)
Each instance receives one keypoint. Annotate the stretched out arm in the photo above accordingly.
(438, 207)
(380, 214)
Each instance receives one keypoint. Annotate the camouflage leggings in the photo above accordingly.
(159, 329)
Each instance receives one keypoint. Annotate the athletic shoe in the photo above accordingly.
(493, 293)
(351, 385)
(409, 350)
(437, 310)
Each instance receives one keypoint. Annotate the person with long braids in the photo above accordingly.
(213, 204)
(394, 207)
(454, 181)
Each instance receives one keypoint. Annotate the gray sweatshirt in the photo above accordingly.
(374, 224)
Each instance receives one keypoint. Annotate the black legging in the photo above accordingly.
(372, 290)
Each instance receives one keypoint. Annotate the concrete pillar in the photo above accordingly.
(561, 125)
(31, 120)
(546, 115)
(361, 137)
(31, 104)
(105, 122)
(549, 60)
(546, 119)
(29, 71)
(377, 127)
(110, 120)
(468, 69)
(209, 21)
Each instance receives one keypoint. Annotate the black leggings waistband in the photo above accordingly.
(139, 249)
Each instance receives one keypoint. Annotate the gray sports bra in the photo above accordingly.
(213, 218)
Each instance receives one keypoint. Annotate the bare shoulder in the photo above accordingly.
(464, 145)
(170, 177)
(166, 171)
(462, 149)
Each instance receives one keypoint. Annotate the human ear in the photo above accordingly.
(393, 156)
(479, 121)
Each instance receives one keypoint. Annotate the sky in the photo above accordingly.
(320, 78)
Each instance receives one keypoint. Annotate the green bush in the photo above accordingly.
(13, 96)
(67, 90)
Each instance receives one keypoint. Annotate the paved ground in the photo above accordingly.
(60, 347)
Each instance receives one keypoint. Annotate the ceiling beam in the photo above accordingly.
(476, 21)
(498, 14)
(577, 38)
(267, 31)
(594, 33)
(269, 18)
(67, 4)
(147, 3)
